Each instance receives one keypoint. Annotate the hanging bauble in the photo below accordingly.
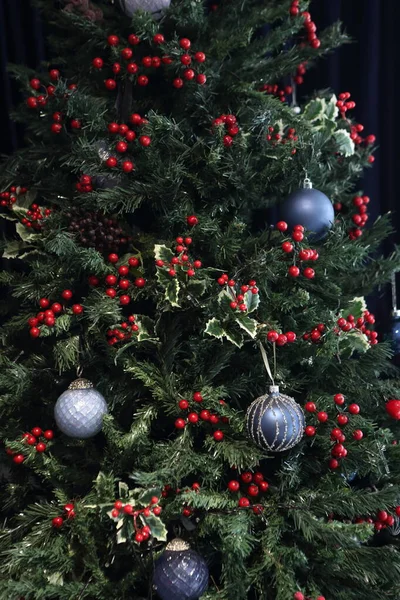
(393, 409)
(310, 208)
(275, 422)
(80, 409)
(155, 7)
(180, 573)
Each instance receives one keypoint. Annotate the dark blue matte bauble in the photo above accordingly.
(275, 422)
(310, 208)
(180, 574)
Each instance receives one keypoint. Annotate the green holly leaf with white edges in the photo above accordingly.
(172, 292)
(158, 529)
(145, 496)
(12, 249)
(25, 234)
(315, 109)
(344, 143)
(356, 307)
(331, 110)
(214, 328)
(125, 530)
(234, 336)
(162, 252)
(248, 324)
(123, 491)
(252, 301)
(353, 341)
(146, 329)
(197, 288)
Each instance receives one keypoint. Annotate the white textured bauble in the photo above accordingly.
(155, 7)
(79, 410)
(296, 110)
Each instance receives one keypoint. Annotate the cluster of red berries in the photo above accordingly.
(231, 128)
(85, 184)
(382, 519)
(123, 282)
(168, 491)
(69, 510)
(56, 127)
(256, 486)
(129, 136)
(309, 25)
(238, 300)
(360, 218)
(41, 100)
(142, 533)
(32, 440)
(181, 259)
(301, 596)
(48, 314)
(186, 60)
(9, 197)
(361, 323)
(34, 216)
(315, 334)
(344, 104)
(337, 435)
(300, 72)
(151, 62)
(204, 415)
(124, 333)
(304, 254)
(281, 339)
(275, 90)
(355, 131)
(277, 138)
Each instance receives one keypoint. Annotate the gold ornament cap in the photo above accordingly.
(177, 545)
(80, 384)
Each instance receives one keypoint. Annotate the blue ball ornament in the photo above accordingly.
(310, 208)
(180, 573)
(80, 409)
(275, 421)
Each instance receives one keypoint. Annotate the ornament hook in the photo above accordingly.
(307, 185)
(266, 363)
(79, 371)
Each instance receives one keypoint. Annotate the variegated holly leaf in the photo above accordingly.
(234, 336)
(353, 341)
(144, 497)
(315, 109)
(146, 329)
(171, 286)
(123, 490)
(214, 328)
(197, 288)
(26, 234)
(158, 529)
(331, 110)
(124, 530)
(162, 252)
(344, 143)
(252, 301)
(249, 325)
(356, 307)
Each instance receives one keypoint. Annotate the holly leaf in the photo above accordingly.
(249, 325)
(197, 288)
(234, 336)
(162, 252)
(25, 234)
(315, 109)
(344, 143)
(146, 329)
(331, 110)
(172, 292)
(12, 249)
(123, 491)
(124, 530)
(353, 341)
(356, 307)
(146, 495)
(214, 328)
(158, 529)
(252, 301)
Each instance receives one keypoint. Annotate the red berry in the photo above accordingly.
(35, 83)
(294, 271)
(193, 417)
(110, 84)
(342, 419)
(31, 102)
(188, 74)
(127, 166)
(297, 236)
(309, 273)
(177, 83)
(282, 226)
(263, 485)
(291, 336)
(113, 40)
(353, 409)
(57, 522)
(133, 261)
(333, 463)
(358, 434)
(253, 490)
(272, 336)
(34, 332)
(298, 596)
(322, 417)
(145, 140)
(115, 513)
(158, 38)
(200, 57)
(382, 516)
(36, 431)
(192, 220)
(201, 78)
(97, 63)
(121, 147)
(41, 447)
(180, 423)
(218, 435)
(197, 397)
(310, 407)
(44, 302)
(183, 404)
(48, 434)
(77, 309)
(244, 502)
(133, 39)
(287, 247)
(233, 486)
(370, 139)
(124, 299)
(111, 292)
(185, 43)
(310, 431)
(111, 162)
(128, 509)
(338, 399)
(281, 340)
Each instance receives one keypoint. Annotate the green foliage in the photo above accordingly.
(306, 533)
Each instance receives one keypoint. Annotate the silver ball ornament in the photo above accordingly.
(275, 422)
(80, 409)
(155, 7)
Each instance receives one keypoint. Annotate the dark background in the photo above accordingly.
(369, 69)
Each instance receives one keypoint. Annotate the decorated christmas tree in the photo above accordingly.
(194, 400)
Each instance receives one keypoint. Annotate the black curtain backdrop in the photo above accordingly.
(369, 69)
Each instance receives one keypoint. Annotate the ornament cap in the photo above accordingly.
(177, 545)
(396, 313)
(274, 389)
(307, 184)
(80, 384)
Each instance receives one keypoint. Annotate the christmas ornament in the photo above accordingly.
(309, 207)
(393, 409)
(275, 421)
(79, 410)
(180, 573)
(156, 7)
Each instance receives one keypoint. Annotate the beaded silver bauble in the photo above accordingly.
(155, 7)
(80, 409)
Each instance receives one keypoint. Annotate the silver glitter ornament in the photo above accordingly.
(180, 573)
(80, 409)
(275, 422)
(155, 7)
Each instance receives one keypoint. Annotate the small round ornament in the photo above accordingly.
(393, 409)
(155, 7)
(311, 208)
(180, 573)
(275, 421)
(80, 409)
